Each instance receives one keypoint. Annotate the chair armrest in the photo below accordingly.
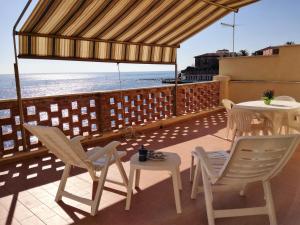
(77, 139)
(99, 152)
(201, 154)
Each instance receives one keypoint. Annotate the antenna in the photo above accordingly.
(233, 25)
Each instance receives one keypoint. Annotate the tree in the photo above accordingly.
(243, 52)
(290, 43)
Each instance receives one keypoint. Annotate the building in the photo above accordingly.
(250, 76)
(206, 66)
(271, 50)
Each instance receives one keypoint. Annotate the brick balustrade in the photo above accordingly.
(97, 112)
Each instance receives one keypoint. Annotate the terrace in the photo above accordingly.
(28, 187)
(174, 118)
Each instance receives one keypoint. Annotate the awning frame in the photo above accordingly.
(16, 66)
(17, 77)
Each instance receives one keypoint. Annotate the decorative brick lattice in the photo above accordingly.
(136, 106)
(196, 97)
(10, 132)
(93, 113)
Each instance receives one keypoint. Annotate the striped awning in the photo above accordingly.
(134, 31)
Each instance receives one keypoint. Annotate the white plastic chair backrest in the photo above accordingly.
(242, 119)
(258, 158)
(228, 104)
(57, 143)
(294, 119)
(285, 98)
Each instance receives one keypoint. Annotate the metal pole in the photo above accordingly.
(233, 33)
(175, 88)
(17, 77)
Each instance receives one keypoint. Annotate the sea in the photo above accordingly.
(47, 84)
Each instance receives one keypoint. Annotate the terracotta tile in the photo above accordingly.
(5, 222)
(43, 212)
(31, 201)
(32, 221)
(63, 213)
(56, 220)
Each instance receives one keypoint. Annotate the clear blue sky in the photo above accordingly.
(268, 22)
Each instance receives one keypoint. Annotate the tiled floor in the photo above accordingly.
(27, 189)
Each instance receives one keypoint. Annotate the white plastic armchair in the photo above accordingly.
(228, 104)
(252, 159)
(72, 153)
(285, 122)
(245, 122)
(293, 121)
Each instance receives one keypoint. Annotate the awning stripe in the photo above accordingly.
(135, 31)
(147, 19)
(178, 23)
(82, 49)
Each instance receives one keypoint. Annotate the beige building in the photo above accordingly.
(245, 78)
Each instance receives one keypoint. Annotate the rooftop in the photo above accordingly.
(28, 187)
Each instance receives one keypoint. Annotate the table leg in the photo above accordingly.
(176, 191)
(129, 189)
(192, 168)
(137, 177)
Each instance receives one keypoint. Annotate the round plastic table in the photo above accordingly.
(277, 112)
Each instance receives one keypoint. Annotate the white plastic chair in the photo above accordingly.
(252, 159)
(293, 121)
(285, 121)
(228, 104)
(72, 154)
(285, 98)
(247, 122)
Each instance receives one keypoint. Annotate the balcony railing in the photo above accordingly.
(94, 113)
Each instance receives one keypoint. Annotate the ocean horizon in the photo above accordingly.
(47, 84)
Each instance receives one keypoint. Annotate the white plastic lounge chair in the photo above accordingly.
(285, 98)
(72, 154)
(228, 104)
(252, 159)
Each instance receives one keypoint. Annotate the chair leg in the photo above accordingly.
(227, 129)
(287, 129)
(196, 180)
(99, 190)
(235, 134)
(192, 168)
(129, 189)
(208, 197)
(137, 177)
(176, 190)
(63, 182)
(269, 202)
(122, 172)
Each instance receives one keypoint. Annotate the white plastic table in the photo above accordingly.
(277, 112)
(171, 164)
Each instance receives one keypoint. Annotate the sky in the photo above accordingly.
(265, 23)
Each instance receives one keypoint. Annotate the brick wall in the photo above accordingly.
(94, 113)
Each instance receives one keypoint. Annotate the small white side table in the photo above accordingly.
(171, 164)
